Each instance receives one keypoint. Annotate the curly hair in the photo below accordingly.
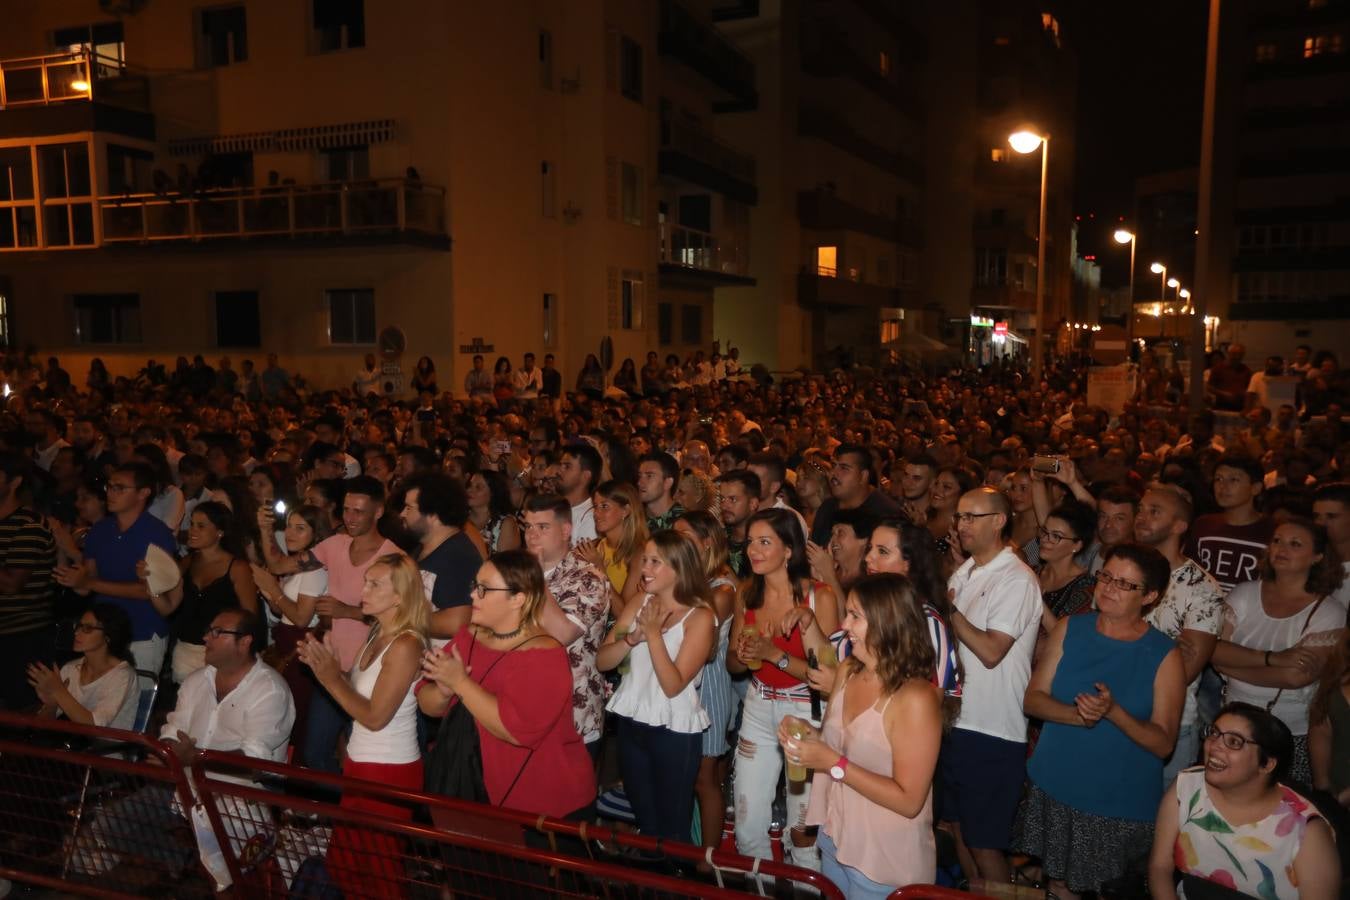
(1325, 575)
(897, 634)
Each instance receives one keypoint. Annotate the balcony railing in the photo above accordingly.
(828, 53)
(701, 48)
(66, 77)
(701, 250)
(390, 206)
(822, 210)
(687, 138)
(832, 128)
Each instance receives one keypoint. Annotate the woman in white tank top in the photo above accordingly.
(668, 637)
(378, 695)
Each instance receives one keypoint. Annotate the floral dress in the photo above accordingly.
(1256, 859)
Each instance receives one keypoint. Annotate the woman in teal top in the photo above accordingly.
(1110, 689)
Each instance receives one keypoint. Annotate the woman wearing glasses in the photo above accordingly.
(1233, 825)
(1280, 630)
(1066, 586)
(99, 686)
(517, 684)
(1109, 688)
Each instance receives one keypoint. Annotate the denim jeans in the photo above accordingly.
(1184, 755)
(854, 884)
(758, 767)
(327, 722)
(658, 768)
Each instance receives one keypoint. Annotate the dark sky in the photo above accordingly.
(1141, 68)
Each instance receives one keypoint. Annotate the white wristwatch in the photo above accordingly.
(839, 768)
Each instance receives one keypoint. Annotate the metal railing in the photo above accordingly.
(337, 208)
(695, 249)
(688, 138)
(55, 77)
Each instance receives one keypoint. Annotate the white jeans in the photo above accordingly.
(759, 764)
(149, 654)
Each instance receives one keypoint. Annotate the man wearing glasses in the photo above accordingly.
(996, 608)
(1190, 612)
(113, 547)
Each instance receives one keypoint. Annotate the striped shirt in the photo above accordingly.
(26, 544)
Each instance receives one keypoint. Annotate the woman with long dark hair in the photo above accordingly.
(98, 687)
(874, 759)
(490, 510)
(591, 378)
(216, 576)
(424, 376)
(503, 384)
(667, 638)
(772, 640)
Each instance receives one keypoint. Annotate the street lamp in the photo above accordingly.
(1027, 142)
(1124, 236)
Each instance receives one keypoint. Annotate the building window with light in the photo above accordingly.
(827, 261)
(103, 41)
(1266, 53)
(1322, 45)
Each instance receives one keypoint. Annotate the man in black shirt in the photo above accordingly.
(435, 509)
(853, 485)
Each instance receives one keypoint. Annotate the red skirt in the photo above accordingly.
(365, 862)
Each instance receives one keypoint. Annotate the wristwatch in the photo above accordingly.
(839, 768)
(782, 661)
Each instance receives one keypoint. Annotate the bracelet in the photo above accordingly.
(1267, 659)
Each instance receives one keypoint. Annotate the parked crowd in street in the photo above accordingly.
(957, 624)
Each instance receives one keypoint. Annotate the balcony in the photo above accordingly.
(1290, 310)
(393, 210)
(697, 45)
(833, 129)
(692, 154)
(699, 259)
(819, 287)
(64, 93)
(1003, 296)
(827, 53)
(822, 210)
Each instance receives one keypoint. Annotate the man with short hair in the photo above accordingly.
(550, 379)
(575, 607)
(413, 461)
(916, 484)
(113, 548)
(731, 457)
(1230, 543)
(578, 474)
(367, 378)
(772, 472)
(233, 704)
(478, 380)
(1116, 509)
(1258, 389)
(853, 485)
(996, 614)
(658, 473)
(1190, 612)
(527, 379)
(27, 600)
(49, 431)
(739, 490)
(1228, 380)
(696, 455)
(1331, 510)
(435, 509)
(274, 379)
(651, 375)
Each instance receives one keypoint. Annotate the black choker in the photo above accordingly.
(502, 636)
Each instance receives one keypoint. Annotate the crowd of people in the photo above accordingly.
(953, 625)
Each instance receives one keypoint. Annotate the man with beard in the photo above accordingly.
(435, 509)
(853, 485)
(739, 490)
(658, 473)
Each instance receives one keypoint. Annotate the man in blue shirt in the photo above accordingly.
(113, 547)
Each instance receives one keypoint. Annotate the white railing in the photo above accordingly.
(695, 249)
(42, 80)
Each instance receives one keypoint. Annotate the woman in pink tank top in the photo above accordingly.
(875, 754)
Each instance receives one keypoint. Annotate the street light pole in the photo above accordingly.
(1122, 235)
(1027, 142)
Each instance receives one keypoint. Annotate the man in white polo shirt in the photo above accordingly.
(996, 607)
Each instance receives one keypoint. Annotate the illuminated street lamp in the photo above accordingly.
(1027, 142)
(1125, 236)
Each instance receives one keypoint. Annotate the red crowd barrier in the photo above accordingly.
(131, 823)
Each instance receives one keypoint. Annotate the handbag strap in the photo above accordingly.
(1301, 632)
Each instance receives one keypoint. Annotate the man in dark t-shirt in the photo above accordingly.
(1229, 544)
(435, 509)
(853, 485)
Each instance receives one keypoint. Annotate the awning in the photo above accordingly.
(312, 137)
(917, 342)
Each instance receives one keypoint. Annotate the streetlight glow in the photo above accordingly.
(1185, 294)
(1173, 283)
(1025, 141)
(80, 86)
(1123, 236)
(1157, 268)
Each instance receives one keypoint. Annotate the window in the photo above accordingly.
(351, 316)
(18, 203)
(1266, 53)
(550, 321)
(1320, 44)
(884, 63)
(631, 299)
(107, 318)
(104, 40)
(67, 200)
(345, 163)
(546, 59)
(691, 324)
(222, 37)
(665, 323)
(237, 321)
(339, 25)
(998, 155)
(630, 188)
(991, 266)
(548, 189)
(630, 68)
(128, 169)
(827, 261)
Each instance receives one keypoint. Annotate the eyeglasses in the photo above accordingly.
(1050, 537)
(964, 518)
(1104, 579)
(86, 628)
(1231, 739)
(478, 589)
(216, 632)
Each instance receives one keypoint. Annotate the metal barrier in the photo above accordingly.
(122, 818)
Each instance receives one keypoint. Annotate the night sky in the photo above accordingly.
(1141, 90)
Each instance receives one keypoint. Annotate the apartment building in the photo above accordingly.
(327, 178)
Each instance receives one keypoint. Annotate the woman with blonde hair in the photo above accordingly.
(378, 695)
(668, 638)
(875, 755)
(715, 692)
(514, 680)
(621, 523)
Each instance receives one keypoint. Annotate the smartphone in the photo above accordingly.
(1048, 465)
(501, 448)
(279, 508)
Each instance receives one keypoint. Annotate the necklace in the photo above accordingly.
(507, 635)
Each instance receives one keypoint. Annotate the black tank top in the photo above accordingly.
(201, 605)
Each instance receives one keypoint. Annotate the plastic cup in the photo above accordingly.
(751, 664)
(796, 772)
